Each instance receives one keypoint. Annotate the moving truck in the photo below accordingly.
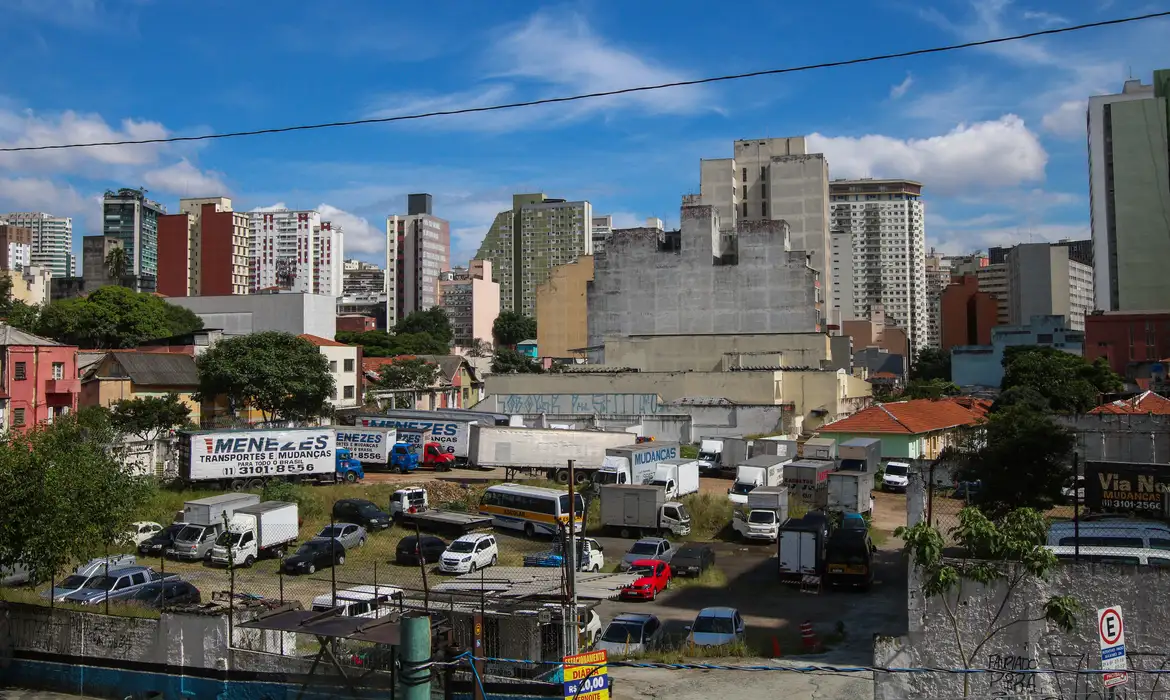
(781, 447)
(809, 480)
(678, 477)
(850, 491)
(766, 512)
(634, 464)
(764, 470)
(450, 434)
(820, 448)
(543, 451)
(630, 511)
(800, 551)
(203, 520)
(257, 532)
(721, 455)
(861, 454)
(239, 459)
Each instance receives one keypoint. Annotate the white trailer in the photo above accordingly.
(370, 446)
(635, 464)
(247, 458)
(799, 551)
(256, 532)
(526, 450)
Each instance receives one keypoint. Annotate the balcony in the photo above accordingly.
(62, 386)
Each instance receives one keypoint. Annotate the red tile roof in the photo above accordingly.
(913, 417)
(1146, 402)
(319, 341)
(884, 375)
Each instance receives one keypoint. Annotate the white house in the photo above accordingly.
(345, 365)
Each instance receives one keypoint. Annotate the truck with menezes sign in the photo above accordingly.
(1126, 487)
(239, 459)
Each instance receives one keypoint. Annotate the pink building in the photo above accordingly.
(472, 302)
(39, 378)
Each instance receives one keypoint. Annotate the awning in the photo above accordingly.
(329, 624)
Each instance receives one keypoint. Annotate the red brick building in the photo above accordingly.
(39, 379)
(356, 323)
(968, 315)
(1127, 338)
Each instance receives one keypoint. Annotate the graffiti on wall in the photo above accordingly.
(566, 404)
(1010, 677)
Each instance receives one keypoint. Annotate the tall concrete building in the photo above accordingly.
(703, 279)
(938, 276)
(994, 279)
(295, 251)
(885, 261)
(967, 313)
(15, 247)
(602, 228)
(775, 180)
(94, 252)
(52, 240)
(203, 250)
(363, 292)
(471, 300)
(1129, 195)
(562, 310)
(418, 249)
(1044, 281)
(526, 242)
(129, 216)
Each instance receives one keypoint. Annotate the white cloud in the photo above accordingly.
(185, 180)
(897, 91)
(271, 207)
(27, 128)
(1067, 120)
(962, 241)
(360, 235)
(1046, 20)
(36, 194)
(990, 154)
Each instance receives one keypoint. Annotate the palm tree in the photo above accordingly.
(117, 264)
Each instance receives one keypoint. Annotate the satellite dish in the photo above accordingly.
(544, 617)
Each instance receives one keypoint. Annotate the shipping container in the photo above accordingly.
(819, 448)
(861, 454)
(850, 491)
(808, 480)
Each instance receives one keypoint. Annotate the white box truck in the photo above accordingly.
(542, 450)
(257, 532)
(764, 470)
(238, 459)
(766, 512)
(631, 511)
(799, 551)
(203, 520)
(850, 491)
(678, 477)
(720, 455)
(779, 446)
(634, 464)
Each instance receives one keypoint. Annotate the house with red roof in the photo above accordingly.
(915, 429)
(1145, 403)
(457, 384)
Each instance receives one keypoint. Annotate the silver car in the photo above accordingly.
(87, 572)
(655, 548)
(119, 584)
(349, 535)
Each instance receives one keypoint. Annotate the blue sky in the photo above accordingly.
(996, 134)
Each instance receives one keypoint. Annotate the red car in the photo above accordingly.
(655, 578)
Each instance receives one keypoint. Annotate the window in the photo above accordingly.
(349, 392)
(349, 365)
(18, 416)
(764, 209)
(20, 372)
(333, 366)
(745, 174)
(58, 370)
(763, 172)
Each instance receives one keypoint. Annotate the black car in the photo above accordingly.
(313, 555)
(361, 512)
(692, 560)
(165, 594)
(159, 542)
(849, 559)
(409, 549)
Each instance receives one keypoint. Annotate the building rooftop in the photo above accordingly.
(322, 342)
(15, 336)
(1144, 403)
(913, 417)
(158, 368)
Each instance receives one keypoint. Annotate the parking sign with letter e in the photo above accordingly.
(1111, 634)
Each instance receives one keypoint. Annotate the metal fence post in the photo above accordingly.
(107, 576)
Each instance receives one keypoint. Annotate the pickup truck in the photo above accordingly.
(590, 555)
(81, 577)
(118, 585)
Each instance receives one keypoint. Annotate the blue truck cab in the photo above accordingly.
(348, 468)
(403, 457)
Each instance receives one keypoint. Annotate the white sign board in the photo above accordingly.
(1111, 631)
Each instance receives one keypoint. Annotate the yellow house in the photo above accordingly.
(132, 374)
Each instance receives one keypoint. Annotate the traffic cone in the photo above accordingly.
(775, 648)
(808, 637)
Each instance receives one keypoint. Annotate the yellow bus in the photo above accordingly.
(530, 508)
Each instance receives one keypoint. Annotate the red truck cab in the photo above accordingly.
(435, 457)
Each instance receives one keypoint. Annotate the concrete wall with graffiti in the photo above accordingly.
(568, 404)
(1029, 643)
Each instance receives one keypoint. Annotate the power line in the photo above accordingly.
(606, 93)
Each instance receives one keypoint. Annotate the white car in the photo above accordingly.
(469, 553)
(896, 477)
(142, 531)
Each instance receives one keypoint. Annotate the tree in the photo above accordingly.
(281, 375)
(479, 348)
(1069, 382)
(409, 373)
(508, 361)
(931, 363)
(1023, 463)
(929, 389)
(117, 264)
(15, 312)
(434, 322)
(383, 344)
(65, 493)
(113, 317)
(1024, 396)
(511, 328)
(148, 417)
(1008, 552)
(181, 320)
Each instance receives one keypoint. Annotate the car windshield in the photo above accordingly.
(742, 489)
(461, 546)
(623, 632)
(578, 508)
(369, 510)
(644, 548)
(714, 625)
(310, 548)
(75, 581)
(149, 592)
(330, 531)
(762, 517)
(688, 553)
(683, 512)
(228, 537)
(896, 469)
(102, 583)
(190, 533)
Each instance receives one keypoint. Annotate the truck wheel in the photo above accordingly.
(580, 476)
(351, 477)
(494, 560)
(249, 561)
(341, 560)
(625, 533)
(361, 543)
(562, 477)
(529, 531)
(256, 484)
(237, 485)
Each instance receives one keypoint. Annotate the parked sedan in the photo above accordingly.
(349, 535)
(363, 512)
(654, 577)
(166, 593)
(411, 548)
(161, 541)
(313, 555)
(142, 531)
(692, 560)
(631, 633)
(655, 548)
(717, 627)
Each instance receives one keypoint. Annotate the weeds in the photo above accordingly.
(713, 577)
(680, 652)
(29, 596)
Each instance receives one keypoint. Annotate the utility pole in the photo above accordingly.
(571, 557)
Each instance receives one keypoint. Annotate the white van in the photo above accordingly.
(361, 601)
(1120, 532)
(1132, 556)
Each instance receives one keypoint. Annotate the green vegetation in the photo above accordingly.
(508, 361)
(433, 323)
(689, 451)
(713, 577)
(931, 363)
(149, 417)
(29, 596)
(511, 327)
(928, 389)
(383, 344)
(111, 317)
(1068, 382)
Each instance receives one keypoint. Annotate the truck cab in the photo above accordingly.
(759, 524)
(348, 468)
(710, 454)
(404, 457)
(412, 500)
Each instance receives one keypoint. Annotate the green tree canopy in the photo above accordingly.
(511, 327)
(1024, 396)
(434, 322)
(1069, 382)
(508, 361)
(383, 344)
(65, 493)
(114, 317)
(148, 417)
(281, 375)
(931, 363)
(408, 373)
(929, 389)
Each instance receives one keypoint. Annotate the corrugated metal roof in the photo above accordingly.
(15, 336)
(158, 369)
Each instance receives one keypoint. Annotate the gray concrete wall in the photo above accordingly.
(933, 642)
(638, 290)
(1121, 438)
(315, 314)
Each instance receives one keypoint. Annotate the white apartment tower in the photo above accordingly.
(296, 251)
(52, 240)
(885, 260)
(418, 249)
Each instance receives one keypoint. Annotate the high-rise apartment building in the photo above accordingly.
(938, 277)
(602, 228)
(526, 242)
(95, 250)
(775, 180)
(471, 300)
(203, 250)
(15, 247)
(1043, 280)
(1129, 195)
(52, 240)
(418, 249)
(364, 292)
(129, 216)
(994, 279)
(878, 254)
(295, 251)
